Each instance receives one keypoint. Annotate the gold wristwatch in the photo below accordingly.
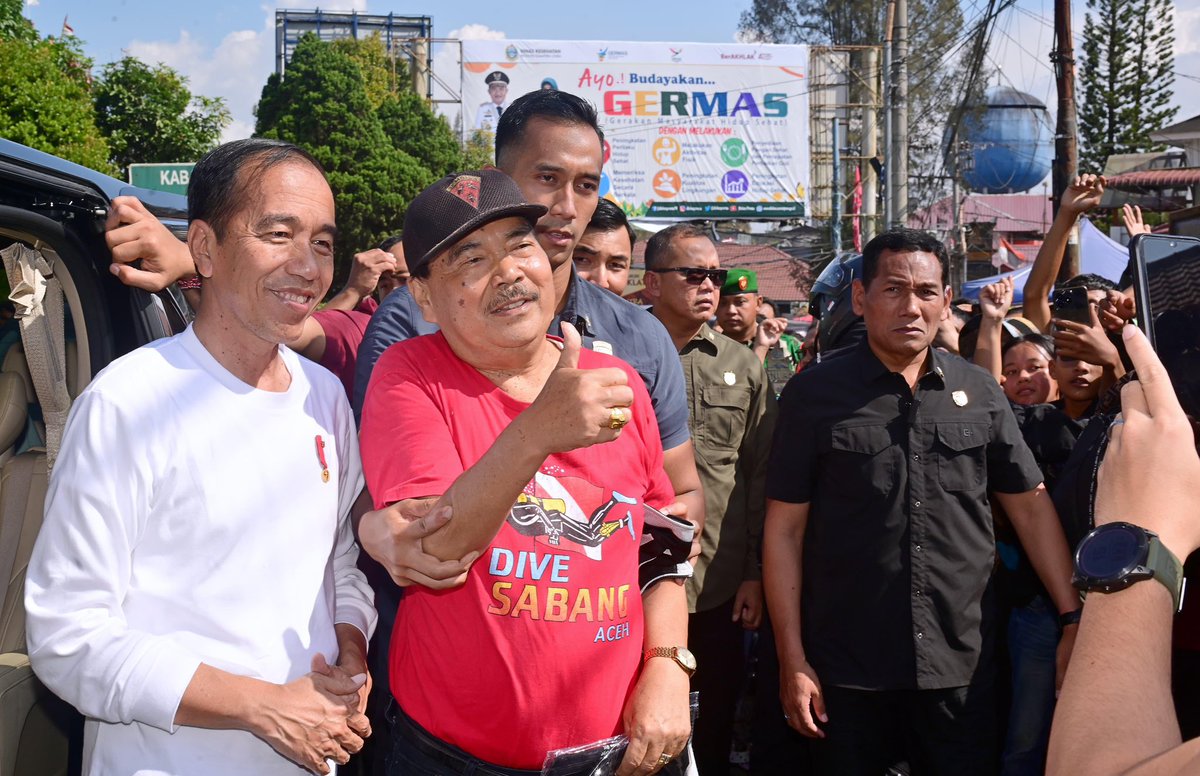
(682, 657)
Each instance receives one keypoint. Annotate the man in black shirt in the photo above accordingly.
(878, 545)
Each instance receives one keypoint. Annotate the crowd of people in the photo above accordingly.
(590, 530)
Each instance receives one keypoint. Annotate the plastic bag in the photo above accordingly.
(601, 758)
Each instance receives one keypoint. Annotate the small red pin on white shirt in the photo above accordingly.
(321, 458)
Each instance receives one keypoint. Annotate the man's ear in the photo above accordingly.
(651, 280)
(202, 240)
(858, 295)
(948, 295)
(419, 288)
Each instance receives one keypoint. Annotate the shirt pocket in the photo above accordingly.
(722, 418)
(962, 455)
(861, 458)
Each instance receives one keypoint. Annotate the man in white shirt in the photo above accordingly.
(193, 590)
(489, 113)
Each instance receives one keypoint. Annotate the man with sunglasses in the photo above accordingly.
(731, 409)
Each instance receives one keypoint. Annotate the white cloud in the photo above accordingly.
(236, 68)
(32, 3)
(1187, 31)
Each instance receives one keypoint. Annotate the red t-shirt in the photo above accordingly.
(344, 330)
(541, 647)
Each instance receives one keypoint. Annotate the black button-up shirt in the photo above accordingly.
(899, 546)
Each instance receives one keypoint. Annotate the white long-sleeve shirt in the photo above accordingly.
(188, 521)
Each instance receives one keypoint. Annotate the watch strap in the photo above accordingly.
(1167, 569)
(1070, 618)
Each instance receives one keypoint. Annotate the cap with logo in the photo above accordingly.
(496, 77)
(740, 281)
(457, 205)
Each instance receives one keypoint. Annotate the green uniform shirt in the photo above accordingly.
(731, 411)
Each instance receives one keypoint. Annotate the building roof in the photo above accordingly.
(1007, 212)
(1186, 129)
(774, 268)
(1137, 180)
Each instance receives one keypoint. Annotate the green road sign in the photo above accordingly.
(171, 178)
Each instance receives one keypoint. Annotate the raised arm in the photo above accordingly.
(132, 234)
(1081, 196)
(365, 271)
(994, 301)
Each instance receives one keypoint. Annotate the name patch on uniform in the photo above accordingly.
(960, 398)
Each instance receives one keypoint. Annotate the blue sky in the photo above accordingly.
(226, 47)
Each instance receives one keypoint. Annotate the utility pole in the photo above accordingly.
(870, 64)
(1066, 152)
(835, 219)
(898, 163)
(889, 179)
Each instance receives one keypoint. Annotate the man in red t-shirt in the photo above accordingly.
(547, 455)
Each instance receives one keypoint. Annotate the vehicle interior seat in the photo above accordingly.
(33, 723)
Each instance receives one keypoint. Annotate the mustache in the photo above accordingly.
(513, 293)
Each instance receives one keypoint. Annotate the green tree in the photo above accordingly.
(414, 128)
(149, 115)
(46, 107)
(1125, 78)
(407, 119)
(322, 105)
(382, 77)
(478, 151)
(13, 24)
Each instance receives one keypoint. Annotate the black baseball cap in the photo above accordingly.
(457, 205)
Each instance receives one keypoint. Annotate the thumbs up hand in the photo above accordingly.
(579, 407)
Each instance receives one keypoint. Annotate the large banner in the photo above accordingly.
(692, 130)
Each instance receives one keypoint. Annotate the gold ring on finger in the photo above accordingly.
(664, 758)
(617, 418)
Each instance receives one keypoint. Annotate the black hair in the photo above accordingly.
(1037, 339)
(551, 105)
(764, 300)
(659, 244)
(217, 188)
(960, 314)
(391, 242)
(1091, 282)
(902, 241)
(609, 217)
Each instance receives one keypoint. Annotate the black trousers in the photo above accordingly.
(950, 732)
(717, 642)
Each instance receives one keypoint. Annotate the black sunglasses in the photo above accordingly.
(696, 275)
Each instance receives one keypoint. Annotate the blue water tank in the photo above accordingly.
(1011, 143)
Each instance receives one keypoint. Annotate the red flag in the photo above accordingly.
(857, 209)
(67, 29)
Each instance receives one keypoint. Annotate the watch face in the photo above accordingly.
(1112, 552)
(686, 658)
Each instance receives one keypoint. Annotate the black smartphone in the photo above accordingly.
(1167, 289)
(1071, 304)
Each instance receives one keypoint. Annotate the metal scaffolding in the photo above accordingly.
(406, 38)
(845, 89)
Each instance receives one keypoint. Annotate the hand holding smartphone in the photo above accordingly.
(1167, 288)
